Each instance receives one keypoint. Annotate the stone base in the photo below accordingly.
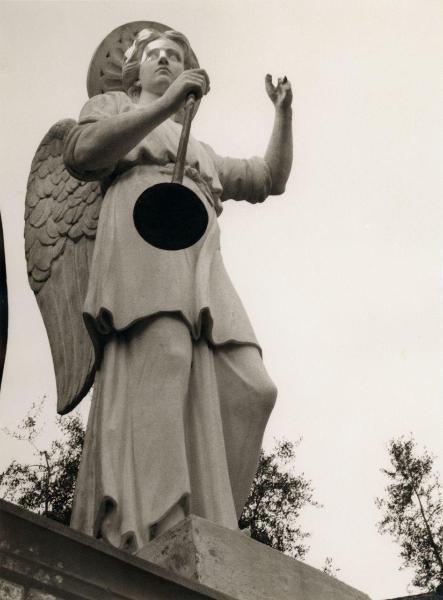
(196, 560)
(240, 568)
(42, 560)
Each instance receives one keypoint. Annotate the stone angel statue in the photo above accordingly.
(181, 396)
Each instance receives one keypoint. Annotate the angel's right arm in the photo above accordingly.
(99, 144)
(107, 134)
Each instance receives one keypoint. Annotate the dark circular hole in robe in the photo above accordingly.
(170, 216)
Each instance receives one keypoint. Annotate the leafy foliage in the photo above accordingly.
(413, 511)
(277, 496)
(330, 569)
(47, 486)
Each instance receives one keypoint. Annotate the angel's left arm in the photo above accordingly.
(278, 154)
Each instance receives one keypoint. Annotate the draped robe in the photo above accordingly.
(127, 483)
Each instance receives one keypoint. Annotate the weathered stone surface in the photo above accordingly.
(38, 595)
(241, 568)
(10, 590)
(43, 560)
(196, 560)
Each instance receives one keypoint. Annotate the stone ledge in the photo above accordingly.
(243, 569)
(41, 559)
(196, 560)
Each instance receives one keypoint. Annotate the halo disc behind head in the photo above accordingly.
(105, 68)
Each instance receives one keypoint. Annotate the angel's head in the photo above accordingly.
(155, 60)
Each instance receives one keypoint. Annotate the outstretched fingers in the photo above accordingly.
(270, 87)
(280, 94)
(283, 83)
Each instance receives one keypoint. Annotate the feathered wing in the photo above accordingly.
(61, 218)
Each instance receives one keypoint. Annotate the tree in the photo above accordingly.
(330, 569)
(277, 496)
(271, 512)
(46, 486)
(413, 511)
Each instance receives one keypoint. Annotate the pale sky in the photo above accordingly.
(341, 276)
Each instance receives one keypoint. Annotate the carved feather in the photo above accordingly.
(61, 218)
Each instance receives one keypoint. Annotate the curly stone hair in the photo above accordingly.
(134, 54)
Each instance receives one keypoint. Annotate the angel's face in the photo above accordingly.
(162, 62)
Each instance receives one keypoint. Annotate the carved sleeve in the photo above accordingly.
(242, 178)
(98, 107)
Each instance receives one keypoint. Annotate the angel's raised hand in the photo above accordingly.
(280, 94)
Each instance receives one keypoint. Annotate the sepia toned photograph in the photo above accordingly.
(221, 308)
